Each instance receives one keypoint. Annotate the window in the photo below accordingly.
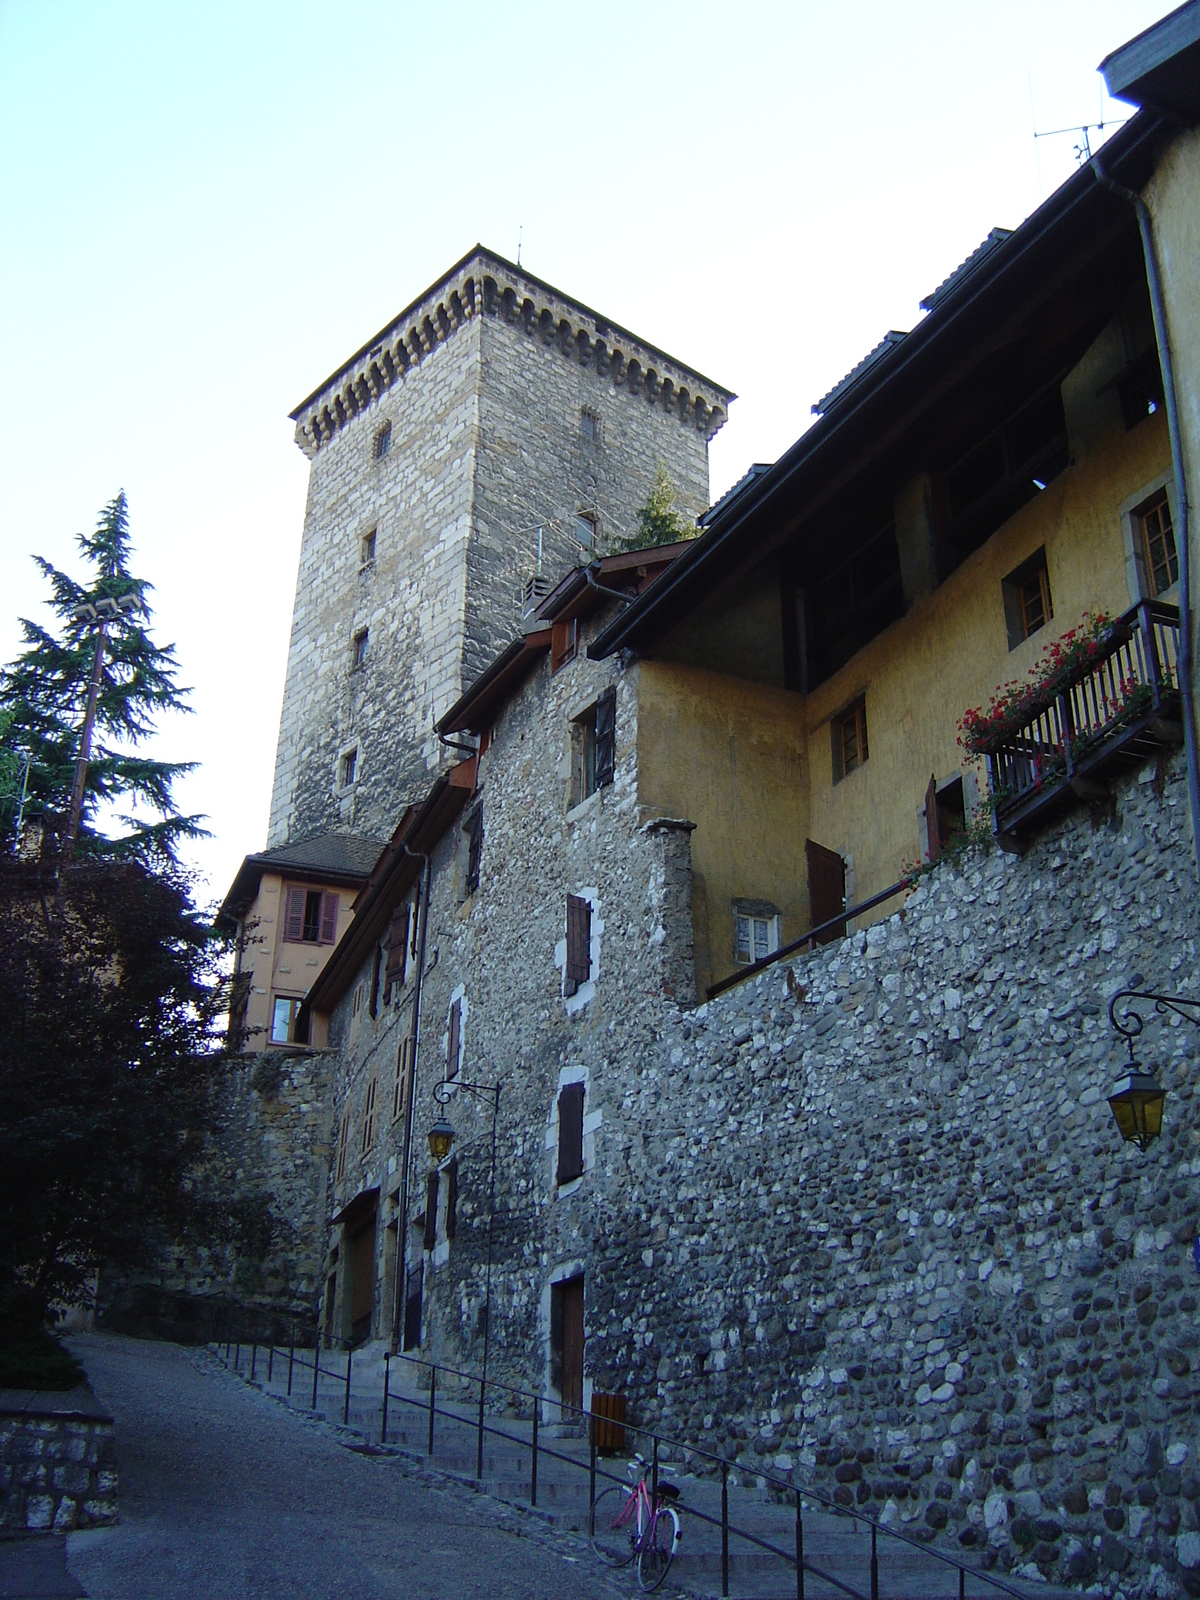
(360, 652)
(347, 767)
(570, 1133)
(454, 1040)
(1027, 604)
(311, 917)
(343, 1145)
(849, 732)
(579, 943)
(564, 642)
(474, 833)
(756, 934)
(1140, 389)
(589, 425)
(585, 530)
(403, 1074)
(283, 1018)
(945, 815)
(367, 549)
(397, 951)
(383, 441)
(1159, 556)
(593, 747)
(368, 1132)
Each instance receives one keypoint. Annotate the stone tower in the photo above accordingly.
(493, 418)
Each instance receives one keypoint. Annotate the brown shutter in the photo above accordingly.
(931, 819)
(606, 737)
(397, 957)
(455, 1034)
(579, 941)
(431, 1199)
(451, 1198)
(293, 931)
(329, 916)
(826, 889)
(474, 848)
(570, 1133)
(375, 972)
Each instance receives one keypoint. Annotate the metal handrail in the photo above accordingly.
(827, 926)
(801, 1492)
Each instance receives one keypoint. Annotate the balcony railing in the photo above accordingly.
(1118, 709)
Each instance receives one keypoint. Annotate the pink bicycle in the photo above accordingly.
(625, 1524)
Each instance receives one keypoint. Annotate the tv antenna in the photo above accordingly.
(520, 237)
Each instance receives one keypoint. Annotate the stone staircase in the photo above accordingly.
(836, 1547)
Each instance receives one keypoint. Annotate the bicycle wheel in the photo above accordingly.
(614, 1526)
(654, 1558)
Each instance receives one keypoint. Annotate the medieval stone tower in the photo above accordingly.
(492, 419)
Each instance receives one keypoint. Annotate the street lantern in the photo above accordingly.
(1137, 1104)
(441, 1137)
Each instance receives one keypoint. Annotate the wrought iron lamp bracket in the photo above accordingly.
(1131, 1023)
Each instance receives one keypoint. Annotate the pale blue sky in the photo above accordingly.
(205, 208)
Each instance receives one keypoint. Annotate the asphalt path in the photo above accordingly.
(226, 1494)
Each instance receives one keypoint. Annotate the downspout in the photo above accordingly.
(1158, 307)
(400, 1306)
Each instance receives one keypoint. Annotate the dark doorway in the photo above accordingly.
(413, 1289)
(826, 889)
(362, 1282)
(566, 1343)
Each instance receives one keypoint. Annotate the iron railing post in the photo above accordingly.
(432, 1407)
(962, 1583)
(592, 1488)
(271, 1357)
(799, 1550)
(346, 1406)
(237, 1355)
(316, 1364)
(725, 1528)
(479, 1446)
(291, 1357)
(253, 1359)
(533, 1465)
(874, 1566)
(654, 1479)
(387, 1374)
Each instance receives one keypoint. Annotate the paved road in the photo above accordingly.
(225, 1494)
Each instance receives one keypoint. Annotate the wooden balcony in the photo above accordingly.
(1120, 708)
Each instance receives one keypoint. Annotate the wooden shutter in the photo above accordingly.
(451, 1198)
(579, 942)
(455, 1036)
(431, 1200)
(293, 931)
(397, 956)
(375, 972)
(474, 848)
(606, 736)
(826, 889)
(329, 916)
(570, 1133)
(931, 819)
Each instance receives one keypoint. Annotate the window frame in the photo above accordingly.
(856, 711)
(1160, 501)
(366, 549)
(347, 769)
(368, 1127)
(381, 441)
(1013, 589)
(293, 1002)
(754, 913)
(359, 645)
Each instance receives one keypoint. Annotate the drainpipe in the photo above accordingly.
(406, 1160)
(1154, 282)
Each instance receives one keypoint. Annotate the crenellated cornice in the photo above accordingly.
(482, 285)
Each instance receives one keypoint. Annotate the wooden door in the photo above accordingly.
(826, 889)
(362, 1281)
(566, 1343)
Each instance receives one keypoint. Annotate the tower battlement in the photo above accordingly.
(485, 284)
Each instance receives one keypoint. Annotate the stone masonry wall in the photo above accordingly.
(487, 442)
(269, 1162)
(58, 1465)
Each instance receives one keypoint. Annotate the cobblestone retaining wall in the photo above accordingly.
(58, 1467)
(890, 1238)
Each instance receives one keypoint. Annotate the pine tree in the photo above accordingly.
(658, 521)
(43, 695)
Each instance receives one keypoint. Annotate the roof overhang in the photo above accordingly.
(398, 868)
(244, 888)
(1160, 68)
(967, 325)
